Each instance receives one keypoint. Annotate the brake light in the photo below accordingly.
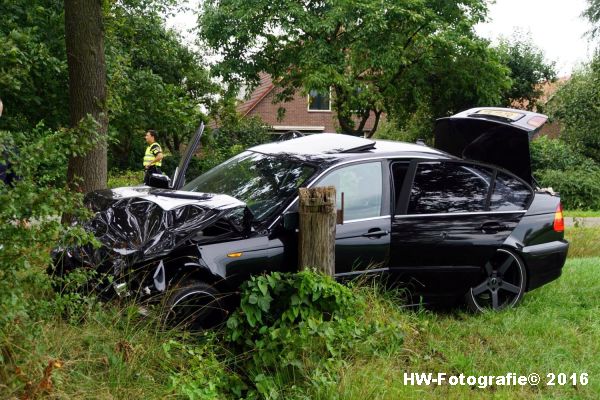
(559, 221)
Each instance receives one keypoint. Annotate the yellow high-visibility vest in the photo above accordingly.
(151, 152)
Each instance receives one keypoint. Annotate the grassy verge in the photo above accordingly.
(117, 355)
(581, 213)
(556, 329)
(584, 241)
(114, 353)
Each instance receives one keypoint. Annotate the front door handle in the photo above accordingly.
(375, 233)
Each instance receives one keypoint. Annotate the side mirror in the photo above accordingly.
(159, 181)
(291, 221)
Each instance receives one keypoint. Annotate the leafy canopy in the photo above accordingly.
(528, 69)
(154, 80)
(575, 105)
(377, 56)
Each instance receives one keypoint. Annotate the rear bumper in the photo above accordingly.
(544, 262)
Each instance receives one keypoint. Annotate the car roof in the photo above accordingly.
(332, 146)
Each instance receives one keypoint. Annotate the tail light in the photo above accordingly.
(559, 221)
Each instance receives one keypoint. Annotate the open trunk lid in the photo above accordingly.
(498, 136)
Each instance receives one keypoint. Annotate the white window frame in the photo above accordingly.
(317, 111)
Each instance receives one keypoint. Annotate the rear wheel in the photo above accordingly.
(503, 286)
(194, 306)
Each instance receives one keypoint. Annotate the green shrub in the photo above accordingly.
(126, 178)
(30, 226)
(218, 145)
(579, 188)
(555, 154)
(418, 126)
(293, 332)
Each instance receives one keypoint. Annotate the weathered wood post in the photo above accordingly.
(317, 221)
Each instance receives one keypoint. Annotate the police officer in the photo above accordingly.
(153, 156)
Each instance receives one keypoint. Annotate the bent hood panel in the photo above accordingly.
(495, 136)
(134, 227)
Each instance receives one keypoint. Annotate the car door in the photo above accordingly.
(363, 240)
(180, 171)
(449, 221)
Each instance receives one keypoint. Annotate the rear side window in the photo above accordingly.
(509, 194)
(449, 188)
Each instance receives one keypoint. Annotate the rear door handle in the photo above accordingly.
(375, 233)
(491, 227)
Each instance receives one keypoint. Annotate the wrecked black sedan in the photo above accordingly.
(463, 220)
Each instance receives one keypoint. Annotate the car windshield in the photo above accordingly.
(262, 181)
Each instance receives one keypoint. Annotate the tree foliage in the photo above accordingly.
(377, 56)
(592, 13)
(156, 83)
(528, 69)
(33, 64)
(577, 106)
(154, 80)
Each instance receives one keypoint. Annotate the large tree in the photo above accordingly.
(528, 70)
(376, 55)
(153, 79)
(84, 38)
(575, 105)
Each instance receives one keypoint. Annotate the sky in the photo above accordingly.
(555, 26)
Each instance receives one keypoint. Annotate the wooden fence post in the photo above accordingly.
(316, 238)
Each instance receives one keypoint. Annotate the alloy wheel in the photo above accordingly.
(503, 285)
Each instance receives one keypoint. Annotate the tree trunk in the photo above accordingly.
(84, 39)
(317, 229)
(375, 125)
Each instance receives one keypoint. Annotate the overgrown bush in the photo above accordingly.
(234, 136)
(417, 126)
(560, 166)
(555, 154)
(30, 226)
(126, 178)
(293, 332)
(579, 188)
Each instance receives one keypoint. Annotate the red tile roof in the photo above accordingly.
(264, 88)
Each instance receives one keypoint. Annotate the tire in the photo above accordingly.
(503, 286)
(194, 306)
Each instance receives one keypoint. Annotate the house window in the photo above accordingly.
(319, 101)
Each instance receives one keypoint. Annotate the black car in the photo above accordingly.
(462, 220)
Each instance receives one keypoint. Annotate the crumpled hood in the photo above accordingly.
(141, 223)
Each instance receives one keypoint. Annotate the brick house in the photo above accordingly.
(551, 128)
(310, 113)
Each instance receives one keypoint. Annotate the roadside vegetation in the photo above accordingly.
(294, 336)
(299, 336)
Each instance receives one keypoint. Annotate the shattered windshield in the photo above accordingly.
(262, 181)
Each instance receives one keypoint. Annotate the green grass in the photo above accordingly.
(584, 241)
(555, 329)
(581, 213)
(116, 354)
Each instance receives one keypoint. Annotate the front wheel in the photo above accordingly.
(503, 286)
(195, 306)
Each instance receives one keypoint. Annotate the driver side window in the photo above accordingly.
(362, 185)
